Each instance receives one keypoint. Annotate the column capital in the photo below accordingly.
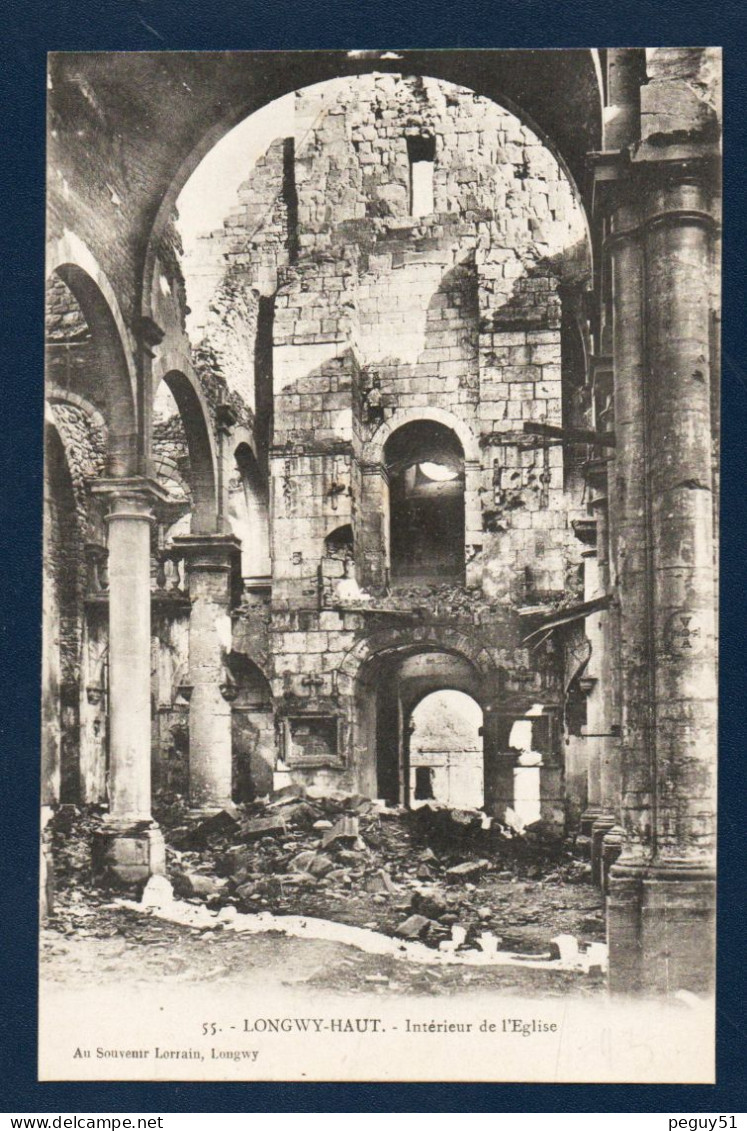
(139, 487)
(213, 552)
(132, 497)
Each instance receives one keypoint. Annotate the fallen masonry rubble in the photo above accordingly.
(446, 880)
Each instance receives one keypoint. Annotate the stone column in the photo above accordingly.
(679, 891)
(662, 893)
(130, 847)
(210, 561)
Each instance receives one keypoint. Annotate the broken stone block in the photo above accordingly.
(484, 913)
(301, 862)
(320, 865)
(288, 793)
(345, 831)
(246, 892)
(414, 927)
(257, 827)
(564, 947)
(429, 904)
(212, 828)
(380, 883)
(296, 880)
(424, 872)
(158, 892)
(469, 870)
(236, 859)
(322, 825)
(338, 876)
(300, 813)
(196, 884)
(488, 943)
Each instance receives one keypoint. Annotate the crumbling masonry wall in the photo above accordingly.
(383, 317)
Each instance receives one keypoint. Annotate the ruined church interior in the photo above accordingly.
(385, 472)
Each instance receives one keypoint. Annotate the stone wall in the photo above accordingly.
(381, 316)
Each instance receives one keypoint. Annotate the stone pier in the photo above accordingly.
(210, 561)
(130, 847)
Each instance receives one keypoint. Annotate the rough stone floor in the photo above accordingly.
(433, 874)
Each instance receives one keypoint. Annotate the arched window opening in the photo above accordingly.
(248, 512)
(170, 447)
(84, 342)
(425, 462)
(252, 727)
(445, 751)
(339, 543)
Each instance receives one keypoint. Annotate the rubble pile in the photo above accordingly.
(439, 875)
(445, 877)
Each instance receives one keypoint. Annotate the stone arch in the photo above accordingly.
(202, 459)
(248, 510)
(373, 451)
(564, 111)
(71, 261)
(66, 396)
(374, 673)
(427, 637)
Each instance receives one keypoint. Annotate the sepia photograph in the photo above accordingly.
(380, 567)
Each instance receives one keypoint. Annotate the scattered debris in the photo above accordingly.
(441, 874)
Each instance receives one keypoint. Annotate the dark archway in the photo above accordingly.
(202, 472)
(86, 356)
(249, 514)
(62, 598)
(425, 465)
(389, 687)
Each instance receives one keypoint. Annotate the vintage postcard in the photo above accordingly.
(381, 463)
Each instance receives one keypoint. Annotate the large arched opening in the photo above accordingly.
(424, 461)
(86, 357)
(446, 750)
(559, 94)
(181, 430)
(392, 692)
(248, 514)
(62, 601)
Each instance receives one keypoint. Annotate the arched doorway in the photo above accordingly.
(63, 560)
(403, 724)
(445, 751)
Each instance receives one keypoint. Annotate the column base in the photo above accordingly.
(661, 927)
(612, 846)
(585, 825)
(599, 829)
(127, 854)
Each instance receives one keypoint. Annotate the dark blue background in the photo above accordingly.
(30, 30)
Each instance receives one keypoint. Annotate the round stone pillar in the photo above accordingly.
(662, 894)
(130, 847)
(210, 561)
